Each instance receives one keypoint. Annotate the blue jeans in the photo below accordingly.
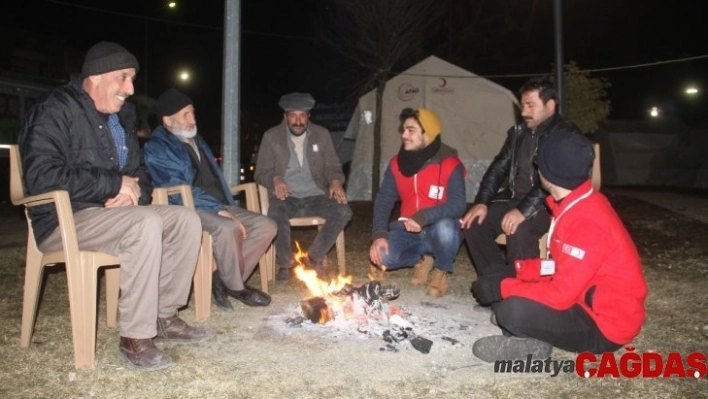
(441, 240)
(337, 216)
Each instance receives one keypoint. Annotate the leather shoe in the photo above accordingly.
(250, 296)
(143, 355)
(284, 274)
(317, 267)
(218, 293)
(174, 329)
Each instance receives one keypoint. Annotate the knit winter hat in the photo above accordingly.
(106, 57)
(171, 101)
(430, 122)
(565, 159)
(296, 102)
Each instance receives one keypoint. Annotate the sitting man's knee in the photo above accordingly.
(446, 230)
(345, 211)
(511, 311)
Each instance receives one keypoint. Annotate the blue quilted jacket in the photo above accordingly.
(169, 163)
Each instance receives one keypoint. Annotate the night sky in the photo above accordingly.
(281, 52)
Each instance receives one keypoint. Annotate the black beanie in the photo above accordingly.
(171, 101)
(106, 57)
(565, 159)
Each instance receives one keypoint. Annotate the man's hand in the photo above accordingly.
(412, 226)
(487, 289)
(128, 195)
(336, 191)
(511, 221)
(477, 211)
(282, 191)
(377, 246)
(228, 215)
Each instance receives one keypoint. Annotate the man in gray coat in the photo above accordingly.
(299, 166)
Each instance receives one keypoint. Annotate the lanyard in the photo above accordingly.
(555, 219)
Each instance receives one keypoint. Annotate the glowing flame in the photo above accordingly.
(318, 287)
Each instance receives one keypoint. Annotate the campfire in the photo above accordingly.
(337, 300)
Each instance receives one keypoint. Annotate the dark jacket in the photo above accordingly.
(503, 168)
(65, 144)
(274, 157)
(170, 164)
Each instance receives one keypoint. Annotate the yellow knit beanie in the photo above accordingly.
(430, 122)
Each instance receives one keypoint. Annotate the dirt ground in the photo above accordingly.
(256, 354)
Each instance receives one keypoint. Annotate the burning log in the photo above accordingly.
(316, 310)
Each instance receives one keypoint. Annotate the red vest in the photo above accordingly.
(426, 188)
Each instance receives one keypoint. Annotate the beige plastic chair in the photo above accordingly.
(595, 176)
(206, 264)
(81, 271)
(253, 204)
(205, 261)
(306, 221)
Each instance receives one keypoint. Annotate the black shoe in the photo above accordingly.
(250, 296)
(498, 347)
(284, 274)
(218, 293)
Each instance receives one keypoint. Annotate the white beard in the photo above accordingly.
(185, 134)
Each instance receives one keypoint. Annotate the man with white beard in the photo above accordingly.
(176, 155)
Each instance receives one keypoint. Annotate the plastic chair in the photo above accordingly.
(253, 204)
(205, 262)
(305, 221)
(81, 271)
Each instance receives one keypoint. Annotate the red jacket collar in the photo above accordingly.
(557, 207)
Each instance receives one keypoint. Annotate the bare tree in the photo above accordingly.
(381, 36)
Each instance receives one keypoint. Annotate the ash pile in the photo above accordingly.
(367, 311)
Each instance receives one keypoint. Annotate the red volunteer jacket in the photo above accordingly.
(597, 266)
(425, 189)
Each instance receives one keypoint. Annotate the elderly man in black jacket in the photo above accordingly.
(510, 199)
(82, 138)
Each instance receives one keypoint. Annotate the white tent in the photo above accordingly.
(476, 114)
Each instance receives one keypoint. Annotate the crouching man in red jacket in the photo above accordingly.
(589, 296)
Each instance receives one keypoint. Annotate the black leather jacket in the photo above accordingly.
(65, 144)
(504, 166)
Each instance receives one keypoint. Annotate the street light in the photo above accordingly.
(172, 4)
(692, 91)
(654, 112)
(183, 76)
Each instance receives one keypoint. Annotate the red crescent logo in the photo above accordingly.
(443, 82)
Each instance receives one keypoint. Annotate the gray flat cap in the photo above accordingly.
(296, 102)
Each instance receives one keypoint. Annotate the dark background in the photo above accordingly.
(281, 51)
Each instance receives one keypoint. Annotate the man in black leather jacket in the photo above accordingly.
(510, 199)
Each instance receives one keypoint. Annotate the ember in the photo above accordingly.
(338, 301)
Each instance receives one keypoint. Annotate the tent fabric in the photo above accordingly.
(653, 153)
(476, 114)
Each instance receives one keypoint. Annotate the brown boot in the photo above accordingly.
(421, 270)
(175, 329)
(438, 284)
(142, 354)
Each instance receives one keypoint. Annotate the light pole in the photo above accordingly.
(558, 41)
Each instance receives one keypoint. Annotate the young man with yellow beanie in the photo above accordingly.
(429, 180)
